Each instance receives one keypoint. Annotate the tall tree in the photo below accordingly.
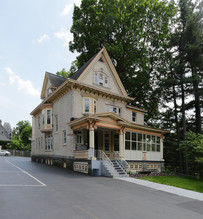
(136, 35)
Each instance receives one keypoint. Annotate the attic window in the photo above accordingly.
(49, 91)
(101, 79)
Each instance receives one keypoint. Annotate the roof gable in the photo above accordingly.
(51, 80)
(101, 57)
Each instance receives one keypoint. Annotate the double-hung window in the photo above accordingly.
(64, 137)
(48, 116)
(86, 105)
(133, 116)
(101, 79)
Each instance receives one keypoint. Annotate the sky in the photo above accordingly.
(34, 37)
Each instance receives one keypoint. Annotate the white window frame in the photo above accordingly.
(48, 142)
(84, 105)
(64, 137)
(101, 79)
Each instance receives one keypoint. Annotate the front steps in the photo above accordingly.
(113, 169)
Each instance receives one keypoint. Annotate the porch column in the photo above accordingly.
(121, 145)
(91, 143)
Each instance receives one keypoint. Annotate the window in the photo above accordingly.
(106, 141)
(127, 140)
(48, 117)
(101, 79)
(64, 137)
(134, 116)
(48, 142)
(43, 117)
(96, 78)
(95, 106)
(41, 141)
(142, 142)
(79, 137)
(38, 122)
(106, 82)
(86, 105)
(56, 117)
(114, 109)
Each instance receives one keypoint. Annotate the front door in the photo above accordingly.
(116, 142)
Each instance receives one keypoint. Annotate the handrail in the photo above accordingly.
(99, 154)
(121, 160)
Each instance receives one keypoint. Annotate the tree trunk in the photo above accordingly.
(197, 103)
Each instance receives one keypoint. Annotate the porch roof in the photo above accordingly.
(113, 121)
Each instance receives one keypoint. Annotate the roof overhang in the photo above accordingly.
(70, 84)
(113, 121)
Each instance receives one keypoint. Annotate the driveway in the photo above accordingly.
(31, 190)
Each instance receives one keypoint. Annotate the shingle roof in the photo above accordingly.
(77, 74)
(55, 80)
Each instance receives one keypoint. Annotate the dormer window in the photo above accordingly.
(101, 79)
(49, 91)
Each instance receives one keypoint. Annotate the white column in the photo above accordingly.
(121, 148)
(91, 143)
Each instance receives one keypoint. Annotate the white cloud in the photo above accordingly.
(64, 35)
(69, 6)
(43, 38)
(23, 85)
(67, 9)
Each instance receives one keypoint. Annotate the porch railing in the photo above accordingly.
(120, 160)
(100, 155)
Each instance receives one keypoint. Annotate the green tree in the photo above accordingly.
(194, 147)
(21, 134)
(135, 34)
(67, 74)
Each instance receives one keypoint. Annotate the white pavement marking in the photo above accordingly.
(42, 184)
(166, 188)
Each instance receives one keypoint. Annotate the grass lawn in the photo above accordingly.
(178, 181)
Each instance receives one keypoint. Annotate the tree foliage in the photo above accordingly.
(135, 34)
(21, 134)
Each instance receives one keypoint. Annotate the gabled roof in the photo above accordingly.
(77, 74)
(55, 81)
(81, 72)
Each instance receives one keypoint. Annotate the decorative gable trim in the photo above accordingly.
(102, 54)
(44, 86)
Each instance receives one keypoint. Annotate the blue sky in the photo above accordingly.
(34, 39)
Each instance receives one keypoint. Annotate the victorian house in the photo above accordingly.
(86, 123)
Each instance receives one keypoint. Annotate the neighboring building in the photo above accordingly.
(5, 131)
(87, 122)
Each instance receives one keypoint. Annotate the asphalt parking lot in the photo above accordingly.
(31, 190)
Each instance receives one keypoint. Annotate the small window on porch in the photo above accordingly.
(79, 137)
(106, 141)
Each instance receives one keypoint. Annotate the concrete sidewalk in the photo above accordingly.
(165, 188)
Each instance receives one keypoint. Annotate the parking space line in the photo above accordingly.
(42, 184)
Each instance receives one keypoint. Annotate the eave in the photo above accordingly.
(71, 84)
